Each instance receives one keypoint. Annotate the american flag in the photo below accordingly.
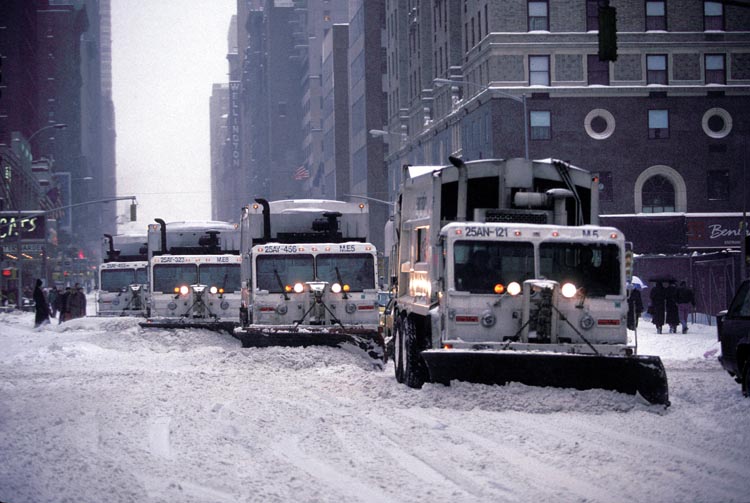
(302, 173)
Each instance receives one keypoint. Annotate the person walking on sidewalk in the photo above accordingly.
(685, 303)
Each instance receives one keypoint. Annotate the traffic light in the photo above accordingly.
(607, 34)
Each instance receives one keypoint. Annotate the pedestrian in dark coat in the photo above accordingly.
(670, 303)
(62, 308)
(41, 308)
(685, 303)
(635, 306)
(77, 302)
(657, 308)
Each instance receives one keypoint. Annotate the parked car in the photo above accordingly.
(733, 327)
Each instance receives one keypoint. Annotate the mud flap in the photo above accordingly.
(369, 341)
(626, 374)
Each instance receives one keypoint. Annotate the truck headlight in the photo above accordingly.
(514, 288)
(299, 288)
(336, 288)
(568, 290)
(184, 290)
(213, 290)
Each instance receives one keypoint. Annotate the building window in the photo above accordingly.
(658, 124)
(599, 124)
(598, 71)
(658, 195)
(540, 125)
(539, 70)
(592, 15)
(717, 123)
(538, 15)
(718, 185)
(713, 16)
(656, 16)
(656, 69)
(715, 73)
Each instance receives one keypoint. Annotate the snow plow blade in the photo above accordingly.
(644, 375)
(366, 339)
(217, 326)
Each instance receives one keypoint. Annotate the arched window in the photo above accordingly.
(658, 195)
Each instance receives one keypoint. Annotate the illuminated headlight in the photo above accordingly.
(116, 302)
(171, 306)
(488, 319)
(568, 290)
(336, 288)
(281, 309)
(224, 305)
(345, 288)
(184, 290)
(213, 290)
(514, 288)
(299, 288)
(587, 322)
(350, 308)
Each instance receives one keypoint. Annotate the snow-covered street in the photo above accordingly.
(102, 410)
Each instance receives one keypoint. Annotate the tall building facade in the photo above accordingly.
(54, 107)
(664, 126)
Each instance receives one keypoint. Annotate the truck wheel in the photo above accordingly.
(398, 347)
(746, 379)
(415, 370)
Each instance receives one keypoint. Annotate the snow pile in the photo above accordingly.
(101, 409)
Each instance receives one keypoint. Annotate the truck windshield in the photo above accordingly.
(114, 280)
(226, 276)
(595, 267)
(169, 276)
(141, 276)
(357, 270)
(480, 265)
(291, 269)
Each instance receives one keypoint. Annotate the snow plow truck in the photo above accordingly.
(501, 274)
(309, 276)
(123, 277)
(194, 275)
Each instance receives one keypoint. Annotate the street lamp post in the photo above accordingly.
(441, 81)
(58, 125)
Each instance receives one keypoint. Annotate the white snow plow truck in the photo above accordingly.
(309, 276)
(503, 275)
(195, 275)
(123, 277)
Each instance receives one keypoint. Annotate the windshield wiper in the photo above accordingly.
(341, 282)
(281, 284)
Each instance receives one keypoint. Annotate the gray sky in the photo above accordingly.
(166, 54)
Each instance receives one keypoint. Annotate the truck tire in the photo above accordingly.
(415, 369)
(746, 380)
(398, 347)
